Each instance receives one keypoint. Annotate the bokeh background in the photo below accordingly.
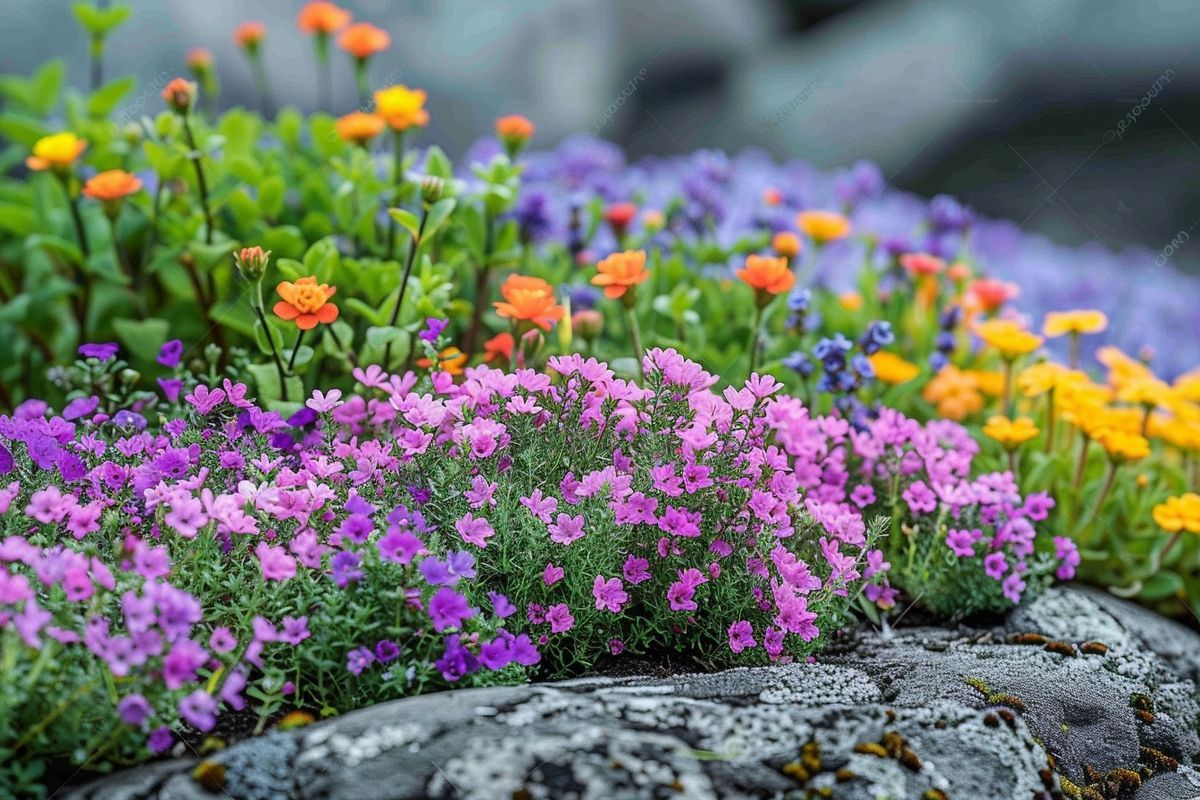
(1077, 118)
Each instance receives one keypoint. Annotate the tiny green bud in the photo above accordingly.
(252, 262)
(432, 189)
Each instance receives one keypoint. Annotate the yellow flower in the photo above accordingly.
(1187, 386)
(1060, 323)
(56, 151)
(891, 368)
(823, 226)
(851, 300)
(990, 382)
(1176, 431)
(1179, 513)
(1123, 446)
(1047, 376)
(1146, 392)
(1008, 337)
(402, 107)
(1121, 368)
(1010, 432)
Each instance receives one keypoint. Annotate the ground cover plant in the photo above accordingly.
(300, 415)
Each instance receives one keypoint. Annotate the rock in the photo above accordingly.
(1074, 689)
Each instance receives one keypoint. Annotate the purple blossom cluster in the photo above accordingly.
(441, 529)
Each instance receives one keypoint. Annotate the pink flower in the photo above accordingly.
(204, 400)
(610, 594)
(741, 636)
(566, 529)
(552, 574)
(482, 493)
(560, 619)
(636, 570)
(1067, 553)
(50, 505)
(541, 507)
(324, 401)
(276, 564)
(474, 530)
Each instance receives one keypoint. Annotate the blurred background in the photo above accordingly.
(1077, 118)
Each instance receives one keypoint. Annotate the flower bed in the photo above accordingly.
(305, 416)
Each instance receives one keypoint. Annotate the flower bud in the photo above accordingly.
(588, 324)
(514, 131)
(252, 262)
(432, 189)
(179, 94)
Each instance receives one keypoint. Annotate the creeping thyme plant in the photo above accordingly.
(297, 414)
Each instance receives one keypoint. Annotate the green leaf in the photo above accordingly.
(378, 336)
(367, 312)
(407, 220)
(270, 196)
(266, 380)
(56, 246)
(142, 338)
(102, 101)
(20, 128)
(45, 86)
(17, 220)
(100, 22)
(1161, 585)
(438, 213)
(304, 357)
(437, 164)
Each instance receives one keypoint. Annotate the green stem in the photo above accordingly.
(201, 183)
(1074, 349)
(337, 341)
(1050, 420)
(262, 318)
(635, 339)
(1083, 453)
(324, 73)
(1104, 492)
(481, 287)
(295, 349)
(397, 184)
(754, 336)
(260, 81)
(1009, 402)
(408, 265)
(124, 265)
(360, 79)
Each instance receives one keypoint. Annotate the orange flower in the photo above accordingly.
(823, 226)
(988, 294)
(363, 40)
(112, 185)
(249, 34)
(359, 127)
(451, 360)
(528, 299)
(958, 271)
(198, 59)
(56, 151)
(322, 17)
(620, 273)
(401, 107)
(767, 276)
(306, 302)
(499, 348)
(619, 215)
(786, 244)
(922, 264)
(772, 197)
(514, 129)
(179, 94)
(850, 300)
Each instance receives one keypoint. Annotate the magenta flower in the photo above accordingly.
(276, 564)
(448, 609)
(199, 709)
(566, 529)
(741, 636)
(610, 595)
(170, 353)
(560, 619)
(133, 709)
(636, 570)
(474, 530)
(358, 660)
(552, 574)
(102, 351)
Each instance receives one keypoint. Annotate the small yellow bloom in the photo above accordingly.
(401, 107)
(786, 244)
(1146, 392)
(1008, 337)
(1060, 323)
(1010, 432)
(56, 151)
(1121, 368)
(1123, 446)
(1036, 380)
(1179, 513)
(851, 300)
(892, 369)
(1187, 386)
(823, 226)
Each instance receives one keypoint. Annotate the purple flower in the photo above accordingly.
(170, 353)
(101, 351)
(359, 659)
(160, 740)
(295, 630)
(133, 709)
(171, 387)
(386, 650)
(199, 709)
(741, 636)
(609, 594)
(345, 566)
(448, 609)
(433, 329)
(80, 407)
(501, 605)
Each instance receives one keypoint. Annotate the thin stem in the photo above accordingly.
(97, 53)
(80, 305)
(1009, 402)
(124, 265)
(1012, 463)
(397, 184)
(262, 318)
(1104, 492)
(1074, 348)
(260, 80)
(201, 183)
(360, 79)
(1083, 453)
(1050, 420)
(338, 343)
(295, 349)
(408, 265)
(324, 73)
(481, 287)
(754, 335)
(635, 339)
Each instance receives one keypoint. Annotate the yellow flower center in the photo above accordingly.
(308, 298)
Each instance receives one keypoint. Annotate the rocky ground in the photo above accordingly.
(1076, 695)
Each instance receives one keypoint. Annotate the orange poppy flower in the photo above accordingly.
(321, 16)
(620, 273)
(359, 127)
(515, 129)
(56, 151)
(528, 299)
(363, 40)
(499, 348)
(249, 34)
(767, 276)
(402, 107)
(306, 302)
(111, 185)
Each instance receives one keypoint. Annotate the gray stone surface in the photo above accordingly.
(895, 714)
